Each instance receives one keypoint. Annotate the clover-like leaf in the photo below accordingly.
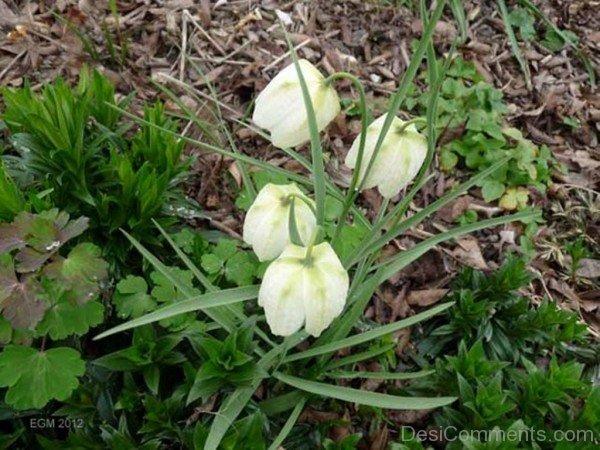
(211, 263)
(492, 190)
(131, 297)
(225, 249)
(33, 378)
(514, 198)
(165, 292)
(241, 268)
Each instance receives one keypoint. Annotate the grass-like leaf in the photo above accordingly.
(199, 302)
(364, 397)
(362, 356)
(289, 424)
(391, 266)
(380, 375)
(318, 166)
(514, 44)
(222, 317)
(368, 335)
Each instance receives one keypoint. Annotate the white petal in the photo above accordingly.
(326, 286)
(270, 235)
(266, 226)
(280, 106)
(373, 132)
(327, 106)
(281, 296)
(406, 158)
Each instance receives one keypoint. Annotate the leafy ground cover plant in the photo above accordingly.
(74, 145)
(514, 366)
(46, 295)
(474, 109)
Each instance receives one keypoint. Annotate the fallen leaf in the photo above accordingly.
(468, 253)
(454, 209)
(425, 297)
(588, 268)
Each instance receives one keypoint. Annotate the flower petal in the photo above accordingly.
(325, 289)
(281, 296)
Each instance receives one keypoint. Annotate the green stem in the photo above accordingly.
(311, 244)
(305, 200)
(351, 194)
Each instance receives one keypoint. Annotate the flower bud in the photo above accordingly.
(266, 227)
(297, 290)
(398, 161)
(280, 106)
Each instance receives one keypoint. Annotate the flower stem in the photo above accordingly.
(305, 200)
(311, 244)
(351, 194)
(410, 122)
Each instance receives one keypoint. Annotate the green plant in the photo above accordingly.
(44, 295)
(488, 363)
(292, 375)
(489, 308)
(474, 109)
(74, 145)
(11, 198)
(577, 251)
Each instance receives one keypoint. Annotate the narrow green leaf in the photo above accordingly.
(358, 357)
(228, 412)
(318, 165)
(514, 43)
(289, 424)
(368, 335)
(364, 397)
(458, 11)
(199, 302)
(418, 217)
(222, 317)
(281, 403)
(401, 260)
(380, 375)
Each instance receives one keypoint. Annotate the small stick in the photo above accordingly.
(184, 39)
(206, 35)
(12, 63)
(286, 54)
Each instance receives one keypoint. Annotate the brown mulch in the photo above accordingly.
(238, 47)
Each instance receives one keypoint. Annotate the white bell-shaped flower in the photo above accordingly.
(280, 106)
(266, 227)
(297, 290)
(398, 161)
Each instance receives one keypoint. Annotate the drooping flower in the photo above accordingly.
(297, 290)
(398, 161)
(266, 227)
(280, 106)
